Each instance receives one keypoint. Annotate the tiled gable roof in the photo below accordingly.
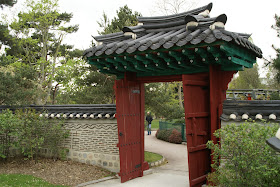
(192, 27)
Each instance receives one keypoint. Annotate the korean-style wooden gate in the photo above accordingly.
(189, 47)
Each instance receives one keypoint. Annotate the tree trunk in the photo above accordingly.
(180, 94)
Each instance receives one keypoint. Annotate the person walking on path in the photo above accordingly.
(149, 119)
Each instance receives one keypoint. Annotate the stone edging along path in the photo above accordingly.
(151, 164)
(157, 163)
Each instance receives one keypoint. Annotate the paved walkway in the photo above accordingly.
(174, 173)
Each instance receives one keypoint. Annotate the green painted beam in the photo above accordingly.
(164, 56)
(148, 64)
(240, 52)
(194, 59)
(177, 55)
(205, 56)
(118, 66)
(170, 61)
(137, 64)
(173, 72)
(240, 62)
(217, 54)
(233, 67)
(160, 62)
(126, 64)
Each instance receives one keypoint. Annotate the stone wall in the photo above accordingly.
(93, 142)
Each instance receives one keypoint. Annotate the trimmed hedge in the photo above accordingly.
(175, 137)
(170, 135)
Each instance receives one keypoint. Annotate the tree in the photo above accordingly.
(247, 79)
(83, 84)
(7, 3)
(167, 7)
(16, 82)
(276, 61)
(162, 100)
(40, 31)
(125, 17)
(4, 32)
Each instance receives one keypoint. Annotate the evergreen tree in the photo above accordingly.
(276, 61)
(125, 17)
(40, 30)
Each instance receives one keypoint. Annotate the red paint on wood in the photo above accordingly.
(218, 85)
(130, 111)
(169, 78)
(197, 118)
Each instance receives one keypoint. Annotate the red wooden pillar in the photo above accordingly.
(219, 81)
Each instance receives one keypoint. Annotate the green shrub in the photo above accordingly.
(53, 138)
(30, 133)
(27, 131)
(8, 123)
(175, 137)
(274, 96)
(246, 159)
(164, 134)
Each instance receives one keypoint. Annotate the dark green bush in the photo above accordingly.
(246, 159)
(274, 96)
(8, 124)
(175, 137)
(27, 131)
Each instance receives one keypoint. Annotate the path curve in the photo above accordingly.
(172, 174)
(176, 154)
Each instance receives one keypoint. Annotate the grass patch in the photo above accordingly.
(152, 157)
(155, 124)
(16, 180)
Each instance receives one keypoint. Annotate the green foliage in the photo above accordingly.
(53, 137)
(7, 3)
(275, 96)
(245, 158)
(125, 17)
(27, 131)
(30, 136)
(38, 34)
(16, 82)
(8, 124)
(276, 61)
(23, 181)
(162, 100)
(83, 84)
(247, 79)
(175, 137)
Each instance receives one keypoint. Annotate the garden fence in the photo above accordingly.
(164, 125)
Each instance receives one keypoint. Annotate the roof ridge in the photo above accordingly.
(175, 16)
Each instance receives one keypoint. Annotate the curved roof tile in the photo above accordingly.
(170, 31)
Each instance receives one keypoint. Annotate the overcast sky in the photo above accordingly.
(246, 16)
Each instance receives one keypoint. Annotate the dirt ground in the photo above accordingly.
(56, 172)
